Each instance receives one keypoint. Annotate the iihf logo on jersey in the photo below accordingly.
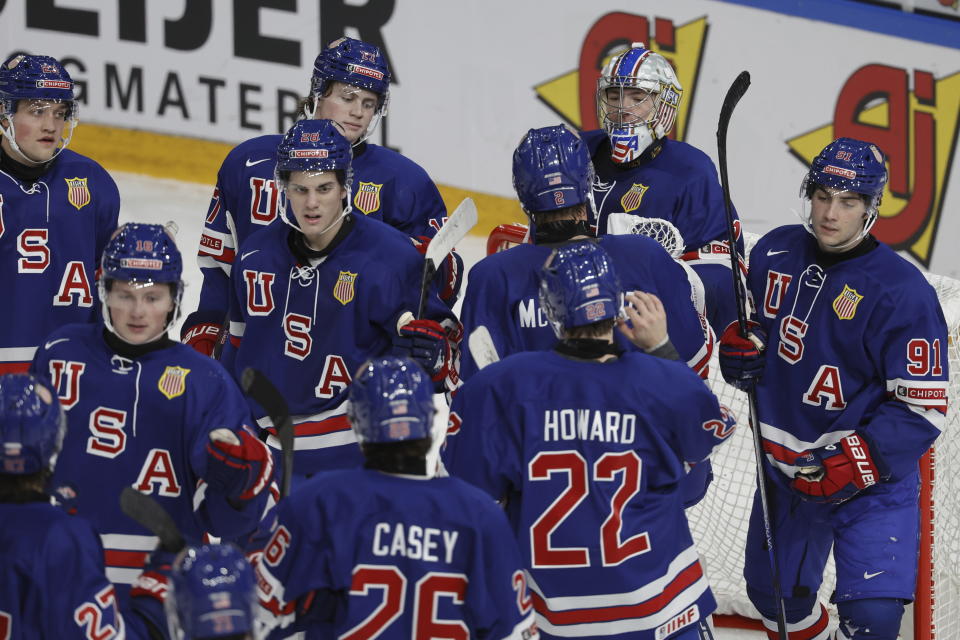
(367, 199)
(343, 290)
(845, 304)
(77, 192)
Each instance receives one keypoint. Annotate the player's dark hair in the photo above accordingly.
(813, 186)
(593, 330)
(408, 456)
(560, 225)
(341, 176)
(23, 488)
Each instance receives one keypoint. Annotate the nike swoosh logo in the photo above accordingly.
(244, 256)
(250, 164)
(47, 345)
(867, 576)
(773, 253)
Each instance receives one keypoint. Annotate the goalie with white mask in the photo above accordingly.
(640, 171)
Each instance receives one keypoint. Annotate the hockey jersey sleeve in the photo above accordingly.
(484, 285)
(419, 197)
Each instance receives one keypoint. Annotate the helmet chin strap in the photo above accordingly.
(293, 224)
(108, 320)
(10, 135)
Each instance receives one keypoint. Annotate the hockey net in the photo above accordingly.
(719, 522)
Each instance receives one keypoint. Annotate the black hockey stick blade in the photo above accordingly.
(256, 385)
(150, 515)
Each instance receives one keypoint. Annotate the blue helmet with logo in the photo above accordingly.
(213, 593)
(355, 63)
(552, 170)
(579, 286)
(391, 400)
(26, 77)
(32, 425)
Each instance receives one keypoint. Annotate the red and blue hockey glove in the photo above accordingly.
(450, 270)
(65, 496)
(742, 359)
(239, 465)
(837, 472)
(202, 337)
(154, 582)
(426, 342)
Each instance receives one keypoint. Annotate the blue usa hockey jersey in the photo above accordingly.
(503, 295)
(590, 458)
(309, 328)
(144, 423)
(857, 346)
(392, 556)
(386, 185)
(52, 233)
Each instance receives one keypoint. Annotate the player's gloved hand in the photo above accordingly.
(450, 271)
(154, 582)
(837, 472)
(742, 359)
(65, 497)
(239, 465)
(426, 342)
(202, 337)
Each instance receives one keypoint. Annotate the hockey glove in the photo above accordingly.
(65, 497)
(154, 582)
(202, 337)
(239, 465)
(837, 472)
(426, 342)
(450, 270)
(742, 359)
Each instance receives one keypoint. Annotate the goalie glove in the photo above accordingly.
(742, 359)
(837, 472)
(239, 465)
(450, 271)
(426, 342)
(201, 337)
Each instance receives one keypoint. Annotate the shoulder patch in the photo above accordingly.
(367, 199)
(343, 289)
(78, 194)
(173, 382)
(845, 304)
(631, 199)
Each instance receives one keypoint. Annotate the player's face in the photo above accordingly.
(350, 106)
(39, 127)
(628, 105)
(139, 312)
(837, 217)
(317, 201)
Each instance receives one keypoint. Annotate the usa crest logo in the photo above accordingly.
(845, 304)
(173, 382)
(343, 290)
(367, 199)
(77, 192)
(631, 199)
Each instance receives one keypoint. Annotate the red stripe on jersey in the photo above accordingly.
(812, 631)
(226, 257)
(318, 427)
(608, 614)
(131, 559)
(14, 367)
(890, 395)
(780, 452)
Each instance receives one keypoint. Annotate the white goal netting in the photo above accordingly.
(719, 522)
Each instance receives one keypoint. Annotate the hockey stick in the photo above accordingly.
(149, 514)
(458, 224)
(482, 349)
(734, 93)
(258, 386)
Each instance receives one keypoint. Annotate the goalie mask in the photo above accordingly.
(42, 82)
(846, 165)
(356, 64)
(391, 400)
(32, 425)
(579, 286)
(638, 95)
(212, 593)
(140, 255)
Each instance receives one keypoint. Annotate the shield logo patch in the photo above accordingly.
(631, 199)
(368, 197)
(343, 289)
(173, 382)
(845, 304)
(77, 192)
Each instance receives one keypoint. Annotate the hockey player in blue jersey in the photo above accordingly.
(643, 173)
(552, 175)
(316, 297)
(852, 391)
(57, 209)
(388, 551)
(148, 412)
(588, 445)
(350, 85)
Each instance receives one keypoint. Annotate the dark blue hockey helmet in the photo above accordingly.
(391, 400)
(579, 286)
(314, 146)
(355, 63)
(552, 170)
(213, 593)
(32, 425)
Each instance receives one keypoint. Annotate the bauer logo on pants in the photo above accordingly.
(173, 382)
(343, 289)
(631, 199)
(77, 192)
(845, 304)
(368, 197)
